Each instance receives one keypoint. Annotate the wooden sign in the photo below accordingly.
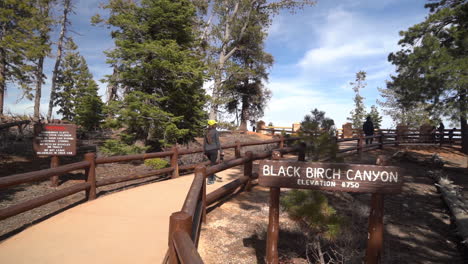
(330, 176)
(55, 139)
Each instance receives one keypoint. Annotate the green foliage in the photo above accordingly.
(158, 70)
(157, 163)
(76, 93)
(312, 208)
(375, 117)
(432, 65)
(234, 26)
(244, 90)
(42, 47)
(412, 115)
(143, 119)
(358, 115)
(114, 147)
(319, 132)
(18, 45)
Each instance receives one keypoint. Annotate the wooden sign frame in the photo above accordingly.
(286, 179)
(55, 139)
(341, 177)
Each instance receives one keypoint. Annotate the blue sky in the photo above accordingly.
(317, 53)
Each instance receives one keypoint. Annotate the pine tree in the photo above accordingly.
(358, 115)
(67, 8)
(433, 63)
(77, 91)
(318, 132)
(44, 23)
(375, 117)
(17, 23)
(413, 114)
(155, 54)
(226, 26)
(245, 87)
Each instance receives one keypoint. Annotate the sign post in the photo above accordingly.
(341, 177)
(54, 140)
(273, 221)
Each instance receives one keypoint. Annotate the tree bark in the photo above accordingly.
(225, 55)
(37, 96)
(244, 113)
(464, 125)
(66, 9)
(112, 87)
(2, 79)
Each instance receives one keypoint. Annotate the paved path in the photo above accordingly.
(126, 227)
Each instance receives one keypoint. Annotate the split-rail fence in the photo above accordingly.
(184, 229)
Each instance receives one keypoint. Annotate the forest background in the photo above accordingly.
(317, 49)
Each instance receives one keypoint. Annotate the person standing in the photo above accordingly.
(441, 132)
(212, 147)
(368, 128)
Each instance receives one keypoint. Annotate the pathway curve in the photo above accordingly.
(126, 227)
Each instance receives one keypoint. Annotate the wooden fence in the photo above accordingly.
(89, 166)
(184, 226)
(184, 229)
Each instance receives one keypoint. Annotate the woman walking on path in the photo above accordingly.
(212, 147)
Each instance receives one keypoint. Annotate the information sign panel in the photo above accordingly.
(55, 139)
(330, 176)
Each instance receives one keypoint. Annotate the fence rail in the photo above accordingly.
(89, 165)
(185, 225)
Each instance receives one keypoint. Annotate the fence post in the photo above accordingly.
(273, 221)
(281, 144)
(175, 162)
(381, 140)
(179, 221)
(375, 230)
(360, 141)
(238, 149)
(248, 166)
(91, 175)
(202, 170)
(54, 163)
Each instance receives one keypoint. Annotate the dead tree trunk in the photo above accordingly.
(66, 10)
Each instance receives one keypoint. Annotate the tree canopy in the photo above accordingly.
(432, 65)
(76, 93)
(358, 114)
(156, 58)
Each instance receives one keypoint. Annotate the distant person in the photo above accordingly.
(433, 134)
(253, 128)
(441, 130)
(368, 128)
(451, 135)
(212, 147)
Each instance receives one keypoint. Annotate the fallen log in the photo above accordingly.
(18, 123)
(455, 201)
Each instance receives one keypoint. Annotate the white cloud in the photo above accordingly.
(337, 40)
(346, 36)
(326, 55)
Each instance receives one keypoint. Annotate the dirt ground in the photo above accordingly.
(418, 225)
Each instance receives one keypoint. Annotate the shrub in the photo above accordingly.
(157, 163)
(114, 147)
(312, 208)
(318, 132)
